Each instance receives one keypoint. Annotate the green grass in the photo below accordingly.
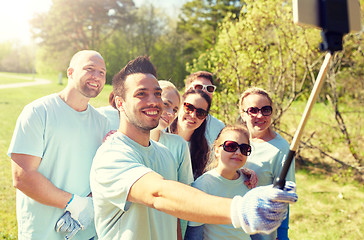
(320, 213)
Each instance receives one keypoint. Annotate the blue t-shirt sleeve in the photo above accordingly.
(29, 132)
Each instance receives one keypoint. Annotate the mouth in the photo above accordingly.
(93, 84)
(152, 113)
(165, 120)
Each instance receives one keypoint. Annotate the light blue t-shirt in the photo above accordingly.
(267, 159)
(112, 115)
(67, 141)
(117, 165)
(213, 128)
(181, 152)
(213, 183)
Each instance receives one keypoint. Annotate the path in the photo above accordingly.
(33, 82)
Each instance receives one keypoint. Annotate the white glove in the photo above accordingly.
(67, 224)
(82, 210)
(262, 209)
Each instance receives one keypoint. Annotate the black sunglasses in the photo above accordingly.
(232, 146)
(189, 109)
(266, 110)
(209, 88)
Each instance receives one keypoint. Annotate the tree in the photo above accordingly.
(198, 23)
(72, 25)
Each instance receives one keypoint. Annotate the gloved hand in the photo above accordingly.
(67, 224)
(251, 178)
(82, 210)
(262, 209)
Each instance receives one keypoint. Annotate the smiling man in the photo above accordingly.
(134, 179)
(54, 142)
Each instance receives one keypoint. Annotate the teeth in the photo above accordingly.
(93, 84)
(152, 112)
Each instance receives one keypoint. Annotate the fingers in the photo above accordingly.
(73, 232)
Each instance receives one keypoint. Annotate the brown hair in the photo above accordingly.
(200, 74)
(140, 64)
(220, 140)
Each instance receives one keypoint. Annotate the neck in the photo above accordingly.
(136, 134)
(186, 134)
(227, 173)
(74, 100)
(264, 136)
(155, 134)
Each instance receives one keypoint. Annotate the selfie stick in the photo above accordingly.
(281, 180)
(334, 26)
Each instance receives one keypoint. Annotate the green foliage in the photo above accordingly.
(16, 58)
(199, 20)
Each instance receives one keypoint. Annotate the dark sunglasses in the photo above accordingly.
(209, 88)
(266, 110)
(232, 146)
(189, 109)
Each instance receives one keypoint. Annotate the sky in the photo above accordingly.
(15, 16)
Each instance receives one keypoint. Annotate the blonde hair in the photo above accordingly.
(220, 140)
(250, 91)
(164, 84)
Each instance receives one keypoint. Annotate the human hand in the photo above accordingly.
(81, 210)
(108, 135)
(251, 178)
(262, 209)
(67, 224)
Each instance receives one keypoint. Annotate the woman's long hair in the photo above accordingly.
(199, 147)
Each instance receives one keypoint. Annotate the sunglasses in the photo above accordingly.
(232, 146)
(266, 110)
(189, 109)
(209, 88)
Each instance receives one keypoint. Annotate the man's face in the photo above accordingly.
(202, 81)
(88, 75)
(143, 103)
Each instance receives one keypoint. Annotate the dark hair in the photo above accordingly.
(140, 64)
(199, 147)
(200, 74)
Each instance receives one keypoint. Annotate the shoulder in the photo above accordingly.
(213, 120)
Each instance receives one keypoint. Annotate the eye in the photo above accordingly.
(140, 94)
(175, 110)
(102, 73)
(158, 94)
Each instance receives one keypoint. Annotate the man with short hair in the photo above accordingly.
(134, 179)
(204, 81)
(54, 142)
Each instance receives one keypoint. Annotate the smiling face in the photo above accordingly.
(142, 106)
(87, 73)
(230, 162)
(171, 103)
(191, 121)
(257, 124)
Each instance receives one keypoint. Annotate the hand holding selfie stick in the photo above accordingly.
(334, 26)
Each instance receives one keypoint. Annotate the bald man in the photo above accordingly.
(54, 142)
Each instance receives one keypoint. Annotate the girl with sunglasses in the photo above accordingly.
(229, 154)
(191, 125)
(270, 148)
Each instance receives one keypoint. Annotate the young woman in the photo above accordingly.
(176, 144)
(270, 149)
(230, 153)
(191, 125)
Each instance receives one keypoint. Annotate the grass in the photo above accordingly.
(329, 207)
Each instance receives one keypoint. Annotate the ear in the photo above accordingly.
(217, 151)
(69, 72)
(119, 103)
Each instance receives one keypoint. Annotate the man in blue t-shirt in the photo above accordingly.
(134, 179)
(54, 142)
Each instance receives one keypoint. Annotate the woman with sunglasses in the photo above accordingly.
(270, 148)
(191, 125)
(225, 179)
(176, 144)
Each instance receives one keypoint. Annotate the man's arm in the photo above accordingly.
(32, 183)
(180, 200)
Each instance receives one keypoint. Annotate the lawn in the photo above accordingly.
(328, 207)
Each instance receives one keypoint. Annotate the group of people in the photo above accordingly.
(135, 183)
